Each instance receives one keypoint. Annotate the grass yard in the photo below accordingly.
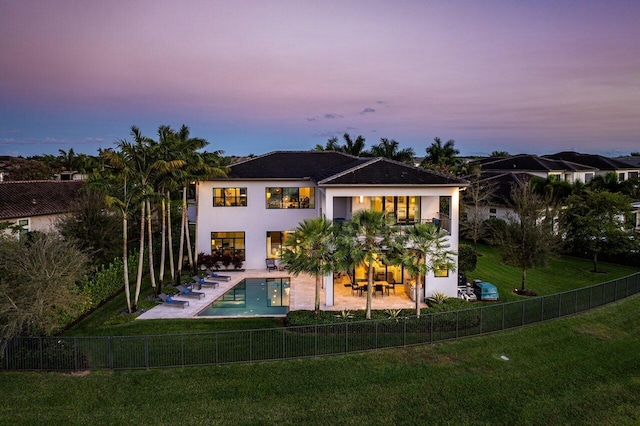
(579, 370)
(562, 273)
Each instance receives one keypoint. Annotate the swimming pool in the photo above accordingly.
(252, 297)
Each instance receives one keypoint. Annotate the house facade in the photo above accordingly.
(36, 205)
(263, 198)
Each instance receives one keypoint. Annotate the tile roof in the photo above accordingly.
(382, 171)
(335, 168)
(37, 197)
(314, 165)
(501, 184)
(527, 162)
(598, 161)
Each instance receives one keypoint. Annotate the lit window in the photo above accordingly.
(290, 198)
(229, 197)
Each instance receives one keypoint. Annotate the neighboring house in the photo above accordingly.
(37, 204)
(540, 166)
(632, 160)
(603, 164)
(636, 215)
(263, 198)
(500, 185)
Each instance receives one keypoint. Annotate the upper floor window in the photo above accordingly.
(291, 198)
(633, 175)
(229, 197)
(620, 177)
(588, 177)
(398, 209)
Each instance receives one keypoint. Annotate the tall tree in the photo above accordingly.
(365, 240)
(424, 249)
(441, 157)
(593, 223)
(475, 201)
(389, 148)
(195, 169)
(38, 284)
(354, 147)
(525, 241)
(311, 249)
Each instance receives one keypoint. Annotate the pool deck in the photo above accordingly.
(302, 296)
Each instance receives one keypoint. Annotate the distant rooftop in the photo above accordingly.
(20, 199)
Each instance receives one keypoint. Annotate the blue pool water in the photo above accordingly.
(251, 297)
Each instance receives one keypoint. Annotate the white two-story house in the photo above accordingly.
(263, 198)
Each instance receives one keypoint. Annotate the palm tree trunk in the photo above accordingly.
(182, 222)
(152, 274)
(125, 262)
(595, 262)
(170, 237)
(189, 249)
(140, 258)
(369, 289)
(524, 281)
(163, 245)
(318, 286)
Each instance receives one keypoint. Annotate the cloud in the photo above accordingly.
(90, 140)
(367, 111)
(381, 102)
(331, 116)
(312, 118)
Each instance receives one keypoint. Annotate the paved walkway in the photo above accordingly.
(302, 296)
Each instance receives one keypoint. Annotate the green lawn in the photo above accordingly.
(562, 273)
(578, 370)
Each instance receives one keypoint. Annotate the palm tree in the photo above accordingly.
(441, 157)
(365, 239)
(424, 249)
(195, 169)
(354, 147)
(389, 149)
(332, 145)
(311, 249)
(117, 197)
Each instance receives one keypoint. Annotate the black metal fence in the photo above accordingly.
(179, 350)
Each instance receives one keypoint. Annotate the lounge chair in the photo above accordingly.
(204, 281)
(187, 292)
(170, 301)
(271, 264)
(216, 276)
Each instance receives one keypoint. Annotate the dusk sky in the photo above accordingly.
(256, 76)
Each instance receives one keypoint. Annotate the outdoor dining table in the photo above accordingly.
(380, 286)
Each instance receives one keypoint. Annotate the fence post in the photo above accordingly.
(182, 350)
(590, 298)
(110, 352)
(431, 328)
(615, 291)
(457, 322)
(41, 354)
(559, 305)
(284, 343)
(404, 332)
(75, 353)
(346, 337)
(146, 351)
(481, 309)
(376, 335)
(316, 341)
(217, 351)
(523, 303)
(503, 316)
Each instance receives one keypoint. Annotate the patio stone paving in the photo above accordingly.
(302, 296)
